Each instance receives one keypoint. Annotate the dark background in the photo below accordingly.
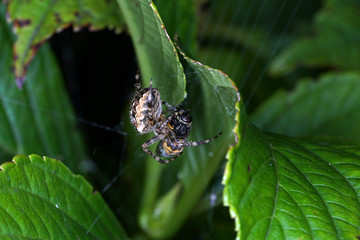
(99, 69)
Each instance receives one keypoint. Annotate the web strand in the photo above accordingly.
(57, 114)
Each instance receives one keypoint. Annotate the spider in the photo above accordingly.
(145, 107)
(172, 131)
(173, 137)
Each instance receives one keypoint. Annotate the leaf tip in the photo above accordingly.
(20, 81)
(21, 63)
(8, 18)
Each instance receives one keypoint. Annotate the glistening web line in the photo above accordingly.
(237, 39)
(262, 45)
(221, 18)
(55, 113)
(250, 36)
(273, 53)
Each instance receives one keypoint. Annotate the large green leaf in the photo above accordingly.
(328, 107)
(334, 42)
(166, 204)
(41, 199)
(35, 21)
(157, 56)
(211, 99)
(39, 118)
(283, 188)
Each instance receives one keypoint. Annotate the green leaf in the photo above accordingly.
(283, 188)
(334, 41)
(39, 118)
(35, 21)
(41, 199)
(180, 19)
(211, 100)
(156, 54)
(323, 108)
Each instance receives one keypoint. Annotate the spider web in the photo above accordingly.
(239, 37)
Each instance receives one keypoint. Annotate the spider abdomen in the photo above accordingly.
(146, 110)
(169, 149)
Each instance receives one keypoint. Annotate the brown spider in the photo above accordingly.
(172, 132)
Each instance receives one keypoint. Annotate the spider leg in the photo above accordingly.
(172, 159)
(168, 119)
(151, 96)
(194, 144)
(151, 141)
(137, 84)
(168, 105)
(150, 84)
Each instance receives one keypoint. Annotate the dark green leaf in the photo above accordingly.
(39, 118)
(282, 188)
(156, 54)
(335, 41)
(35, 21)
(211, 100)
(41, 199)
(328, 107)
(180, 19)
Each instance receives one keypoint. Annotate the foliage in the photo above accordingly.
(34, 27)
(40, 199)
(38, 119)
(275, 186)
(292, 189)
(337, 100)
(335, 26)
